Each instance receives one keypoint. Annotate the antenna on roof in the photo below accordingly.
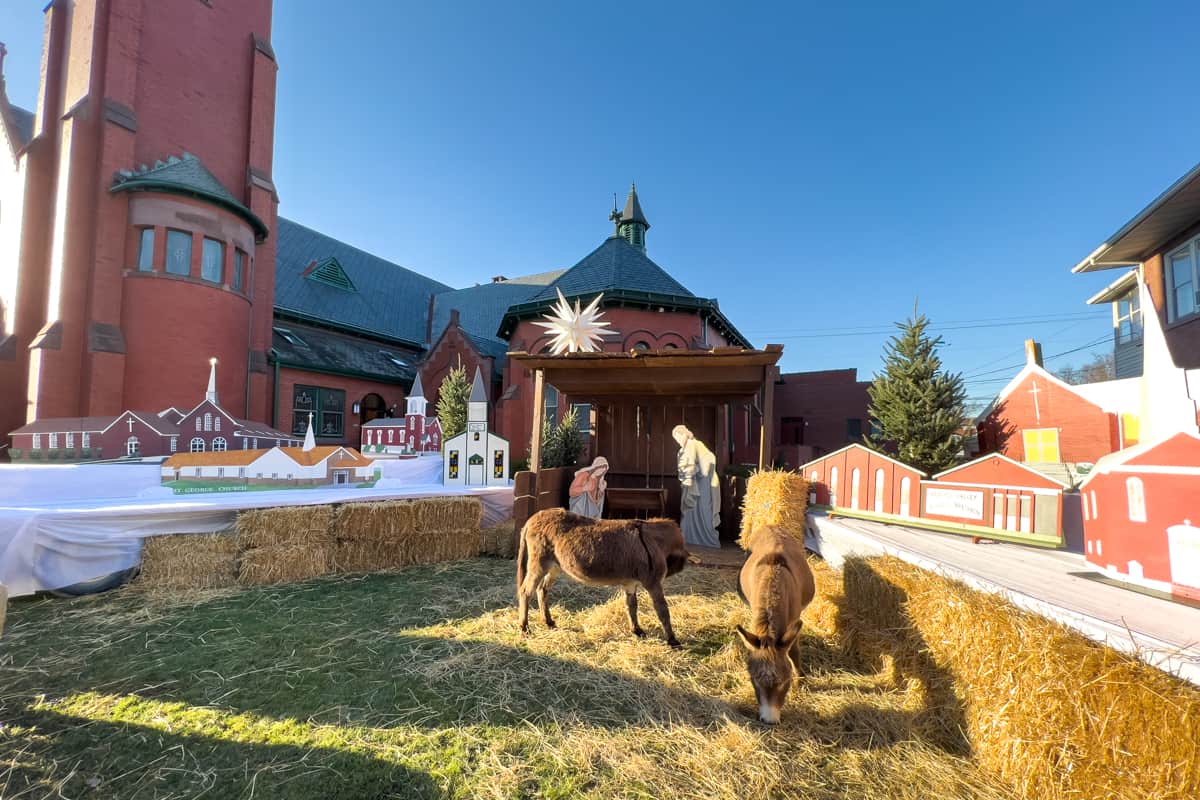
(615, 216)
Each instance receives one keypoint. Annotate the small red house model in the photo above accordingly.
(857, 477)
(1141, 514)
(996, 492)
(412, 434)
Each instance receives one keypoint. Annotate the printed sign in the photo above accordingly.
(962, 503)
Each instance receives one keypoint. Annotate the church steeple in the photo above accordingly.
(631, 223)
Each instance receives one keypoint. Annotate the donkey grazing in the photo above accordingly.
(777, 583)
(599, 552)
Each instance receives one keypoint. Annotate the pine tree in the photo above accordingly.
(561, 442)
(918, 407)
(452, 402)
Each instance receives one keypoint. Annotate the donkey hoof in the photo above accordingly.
(673, 642)
(638, 632)
(551, 624)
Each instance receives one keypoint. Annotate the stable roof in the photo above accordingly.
(718, 375)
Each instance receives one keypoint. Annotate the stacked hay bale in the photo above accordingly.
(1052, 713)
(393, 534)
(499, 540)
(778, 498)
(281, 545)
(189, 561)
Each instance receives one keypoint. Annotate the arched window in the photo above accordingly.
(208, 422)
(1136, 494)
(643, 346)
(217, 424)
(132, 446)
(670, 346)
(905, 491)
(833, 486)
(197, 445)
(878, 491)
(854, 480)
(219, 444)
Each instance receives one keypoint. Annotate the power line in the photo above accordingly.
(949, 326)
(1101, 340)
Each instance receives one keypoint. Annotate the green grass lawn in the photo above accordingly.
(418, 684)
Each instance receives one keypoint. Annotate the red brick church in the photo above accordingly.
(139, 237)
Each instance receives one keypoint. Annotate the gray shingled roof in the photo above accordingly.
(186, 175)
(615, 264)
(302, 346)
(388, 299)
(481, 308)
(633, 209)
(23, 120)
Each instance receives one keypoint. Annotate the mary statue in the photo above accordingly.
(587, 489)
(701, 504)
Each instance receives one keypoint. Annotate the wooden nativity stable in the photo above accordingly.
(638, 397)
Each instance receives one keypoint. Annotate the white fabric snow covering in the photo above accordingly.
(48, 541)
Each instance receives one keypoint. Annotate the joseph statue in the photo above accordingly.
(700, 507)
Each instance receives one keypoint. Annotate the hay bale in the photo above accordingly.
(499, 540)
(774, 497)
(289, 525)
(1052, 713)
(285, 563)
(394, 534)
(188, 561)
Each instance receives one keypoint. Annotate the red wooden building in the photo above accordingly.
(857, 477)
(996, 492)
(1140, 515)
(1038, 418)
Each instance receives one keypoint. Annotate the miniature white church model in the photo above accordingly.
(477, 457)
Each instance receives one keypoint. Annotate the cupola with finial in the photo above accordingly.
(631, 223)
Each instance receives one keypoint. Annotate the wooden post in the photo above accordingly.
(539, 415)
(766, 444)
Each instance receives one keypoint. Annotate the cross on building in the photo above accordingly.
(1037, 412)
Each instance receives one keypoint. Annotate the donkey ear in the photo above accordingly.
(789, 638)
(750, 641)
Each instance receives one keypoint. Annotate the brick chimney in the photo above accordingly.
(1033, 352)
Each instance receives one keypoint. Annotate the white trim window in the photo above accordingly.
(879, 491)
(174, 444)
(219, 445)
(54, 441)
(1128, 314)
(217, 422)
(37, 441)
(87, 439)
(197, 423)
(833, 478)
(132, 446)
(208, 422)
(1135, 493)
(197, 445)
(1180, 276)
(70, 440)
(855, 475)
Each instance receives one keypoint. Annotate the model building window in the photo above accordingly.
(239, 268)
(146, 250)
(87, 439)
(217, 423)
(37, 441)
(132, 446)
(208, 422)
(212, 258)
(1136, 495)
(197, 445)
(219, 445)
(54, 441)
(179, 252)
(174, 444)
(70, 440)
(1182, 281)
(327, 406)
(1129, 318)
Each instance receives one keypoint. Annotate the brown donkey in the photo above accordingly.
(778, 584)
(599, 552)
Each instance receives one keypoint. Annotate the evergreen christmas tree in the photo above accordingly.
(918, 407)
(452, 402)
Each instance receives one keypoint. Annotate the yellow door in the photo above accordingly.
(1041, 445)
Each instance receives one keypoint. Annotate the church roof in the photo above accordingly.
(417, 390)
(187, 176)
(615, 264)
(482, 308)
(303, 347)
(478, 393)
(384, 299)
(633, 209)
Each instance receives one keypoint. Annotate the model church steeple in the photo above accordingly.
(631, 223)
(416, 399)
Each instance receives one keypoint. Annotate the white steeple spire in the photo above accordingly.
(211, 394)
(417, 404)
(310, 441)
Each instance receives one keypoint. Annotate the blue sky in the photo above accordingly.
(814, 166)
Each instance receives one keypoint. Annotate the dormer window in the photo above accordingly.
(288, 336)
(330, 273)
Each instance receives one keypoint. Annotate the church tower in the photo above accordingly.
(147, 240)
(414, 417)
(631, 223)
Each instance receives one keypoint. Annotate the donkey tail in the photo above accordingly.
(522, 558)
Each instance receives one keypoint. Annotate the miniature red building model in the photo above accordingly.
(205, 428)
(1038, 418)
(412, 434)
(1140, 517)
(857, 477)
(996, 492)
